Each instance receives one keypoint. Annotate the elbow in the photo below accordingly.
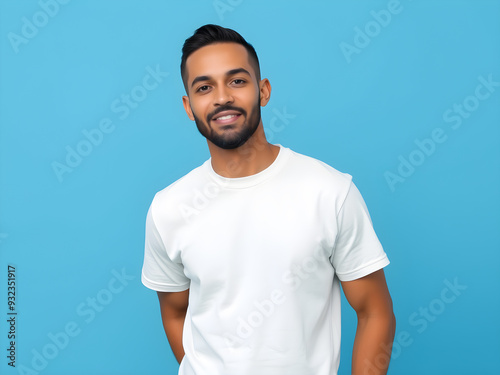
(388, 321)
(391, 321)
(393, 324)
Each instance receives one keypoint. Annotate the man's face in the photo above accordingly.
(223, 94)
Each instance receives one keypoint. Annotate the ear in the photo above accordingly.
(187, 107)
(265, 92)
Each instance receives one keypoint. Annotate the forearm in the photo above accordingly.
(173, 328)
(373, 344)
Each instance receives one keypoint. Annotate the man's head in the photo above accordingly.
(221, 75)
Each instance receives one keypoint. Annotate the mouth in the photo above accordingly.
(226, 117)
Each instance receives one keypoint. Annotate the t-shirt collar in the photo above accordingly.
(248, 181)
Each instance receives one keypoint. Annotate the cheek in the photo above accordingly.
(248, 100)
(199, 108)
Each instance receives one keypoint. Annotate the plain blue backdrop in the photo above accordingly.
(403, 95)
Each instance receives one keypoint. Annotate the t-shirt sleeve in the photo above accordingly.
(159, 272)
(357, 251)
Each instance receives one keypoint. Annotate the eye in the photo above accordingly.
(238, 81)
(203, 88)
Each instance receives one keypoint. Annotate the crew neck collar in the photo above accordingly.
(248, 181)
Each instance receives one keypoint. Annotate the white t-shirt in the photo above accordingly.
(262, 256)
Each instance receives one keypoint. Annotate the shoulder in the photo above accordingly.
(314, 171)
(181, 191)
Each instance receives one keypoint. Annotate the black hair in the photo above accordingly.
(211, 34)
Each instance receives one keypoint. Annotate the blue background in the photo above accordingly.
(362, 113)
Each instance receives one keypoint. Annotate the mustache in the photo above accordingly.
(223, 108)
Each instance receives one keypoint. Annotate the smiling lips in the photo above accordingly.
(226, 117)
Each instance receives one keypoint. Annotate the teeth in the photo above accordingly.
(225, 117)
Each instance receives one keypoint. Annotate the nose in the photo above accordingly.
(223, 96)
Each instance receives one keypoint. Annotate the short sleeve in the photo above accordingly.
(159, 272)
(357, 251)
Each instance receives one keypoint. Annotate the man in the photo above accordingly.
(248, 250)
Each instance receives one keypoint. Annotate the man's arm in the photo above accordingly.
(371, 300)
(173, 306)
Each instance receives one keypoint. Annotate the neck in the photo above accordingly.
(252, 157)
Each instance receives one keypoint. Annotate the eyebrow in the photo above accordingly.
(228, 73)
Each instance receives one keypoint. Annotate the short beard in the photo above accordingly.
(230, 142)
